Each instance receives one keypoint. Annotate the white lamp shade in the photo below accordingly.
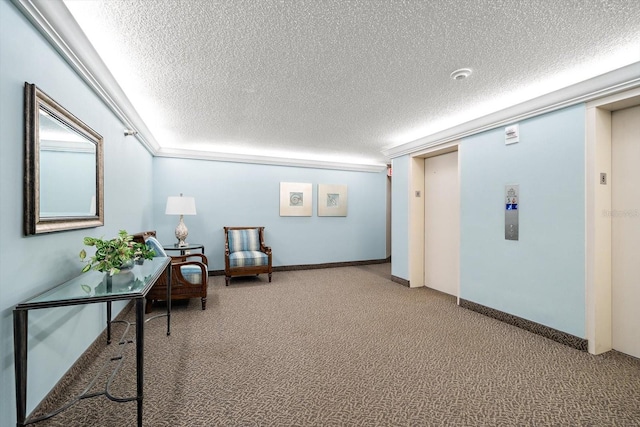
(178, 205)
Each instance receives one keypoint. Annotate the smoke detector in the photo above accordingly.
(461, 74)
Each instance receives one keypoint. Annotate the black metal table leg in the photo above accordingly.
(140, 355)
(20, 318)
(169, 300)
(108, 322)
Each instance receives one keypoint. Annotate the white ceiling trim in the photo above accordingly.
(57, 24)
(59, 27)
(267, 160)
(616, 81)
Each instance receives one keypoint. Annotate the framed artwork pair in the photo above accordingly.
(296, 199)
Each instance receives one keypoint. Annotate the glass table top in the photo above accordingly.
(94, 286)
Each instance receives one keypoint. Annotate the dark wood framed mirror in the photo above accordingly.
(63, 161)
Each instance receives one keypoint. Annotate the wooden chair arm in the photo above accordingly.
(183, 258)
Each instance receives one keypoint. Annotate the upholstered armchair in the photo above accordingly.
(188, 274)
(245, 253)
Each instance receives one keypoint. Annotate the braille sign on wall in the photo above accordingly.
(512, 193)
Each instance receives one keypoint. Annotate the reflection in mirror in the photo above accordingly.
(63, 164)
(67, 160)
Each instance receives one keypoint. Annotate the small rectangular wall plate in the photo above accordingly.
(603, 178)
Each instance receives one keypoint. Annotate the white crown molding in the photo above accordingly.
(610, 83)
(268, 160)
(55, 22)
(58, 26)
(67, 146)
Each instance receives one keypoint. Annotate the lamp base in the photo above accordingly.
(182, 233)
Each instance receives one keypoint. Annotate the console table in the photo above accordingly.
(88, 288)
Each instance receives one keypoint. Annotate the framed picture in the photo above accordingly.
(295, 199)
(332, 200)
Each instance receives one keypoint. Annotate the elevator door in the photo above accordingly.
(625, 230)
(442, 223)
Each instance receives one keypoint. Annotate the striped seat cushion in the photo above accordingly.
(247, 258)
(244, 240)
(191, 273)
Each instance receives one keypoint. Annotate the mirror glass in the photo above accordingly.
(67, 160)
(63, 180)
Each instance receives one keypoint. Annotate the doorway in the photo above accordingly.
(625, 230)
(605, 214)
(442, 223)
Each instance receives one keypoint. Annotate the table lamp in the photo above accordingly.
(181, 206)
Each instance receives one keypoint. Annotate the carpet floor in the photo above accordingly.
(348, 347)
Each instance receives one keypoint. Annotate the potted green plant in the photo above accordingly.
(141, 252)
(114, 254)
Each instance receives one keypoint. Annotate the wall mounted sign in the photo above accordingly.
(511, 134)
(512, 195)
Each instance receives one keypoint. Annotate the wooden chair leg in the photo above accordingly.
(269, 277)
(226, 280)
(204, 303)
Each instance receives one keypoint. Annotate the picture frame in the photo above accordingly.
(332, 200)
(295, 199)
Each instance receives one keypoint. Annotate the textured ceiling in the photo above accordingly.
(344, 79)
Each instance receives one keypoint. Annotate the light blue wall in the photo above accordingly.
(400, 218)
(232, 194)
(541, 277)
(29, 265)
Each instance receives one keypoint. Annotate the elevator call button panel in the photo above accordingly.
(512, 195)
